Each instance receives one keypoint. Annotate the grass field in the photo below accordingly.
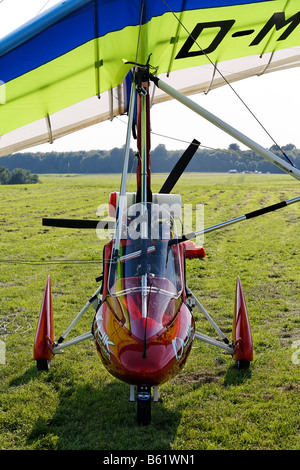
(210, 405)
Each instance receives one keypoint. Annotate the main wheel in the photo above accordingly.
(242, 365)
(144, 405)
(43, 364)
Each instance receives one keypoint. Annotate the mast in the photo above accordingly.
(143, 136)
(143, 173)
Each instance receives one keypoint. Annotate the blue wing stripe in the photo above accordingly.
(71, 24)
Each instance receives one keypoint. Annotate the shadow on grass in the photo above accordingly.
(100, 417)
(28, 375)
(234, 376)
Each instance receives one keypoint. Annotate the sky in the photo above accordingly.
(273, 98)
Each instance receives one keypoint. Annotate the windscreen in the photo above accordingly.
(147, 253)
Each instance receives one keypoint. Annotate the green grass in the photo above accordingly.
(210, 405)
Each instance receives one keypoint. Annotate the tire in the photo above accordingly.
(43, 364)
(242, 365)
(144, 406)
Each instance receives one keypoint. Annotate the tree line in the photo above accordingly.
(17, 176)
(162, 161)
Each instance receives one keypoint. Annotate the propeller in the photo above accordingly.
(180, 167)
(249, 215)
(105, 224)
(79, 223)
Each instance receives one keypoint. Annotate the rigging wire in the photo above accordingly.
(50, 262)
(229, 84)
(131, 172)
(43, 7)
(229, 152)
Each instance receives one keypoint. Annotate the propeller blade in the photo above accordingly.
(180, 167)
(249, 215)
(79, 223)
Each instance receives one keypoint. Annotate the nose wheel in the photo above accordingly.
(144, 405)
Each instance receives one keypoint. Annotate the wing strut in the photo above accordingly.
(122, 197)
(266, 154)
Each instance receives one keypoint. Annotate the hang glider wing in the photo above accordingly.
(67, 68)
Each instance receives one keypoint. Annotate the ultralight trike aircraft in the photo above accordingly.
(143, 325)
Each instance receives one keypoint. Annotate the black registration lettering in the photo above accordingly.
(278, 20)
(191, 40)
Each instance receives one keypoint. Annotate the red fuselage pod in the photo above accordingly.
(141, 350)
(241, 333)
(44, 336)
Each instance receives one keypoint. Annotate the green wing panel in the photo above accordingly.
(67, 69)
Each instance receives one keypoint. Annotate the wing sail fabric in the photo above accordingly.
(67, 68)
